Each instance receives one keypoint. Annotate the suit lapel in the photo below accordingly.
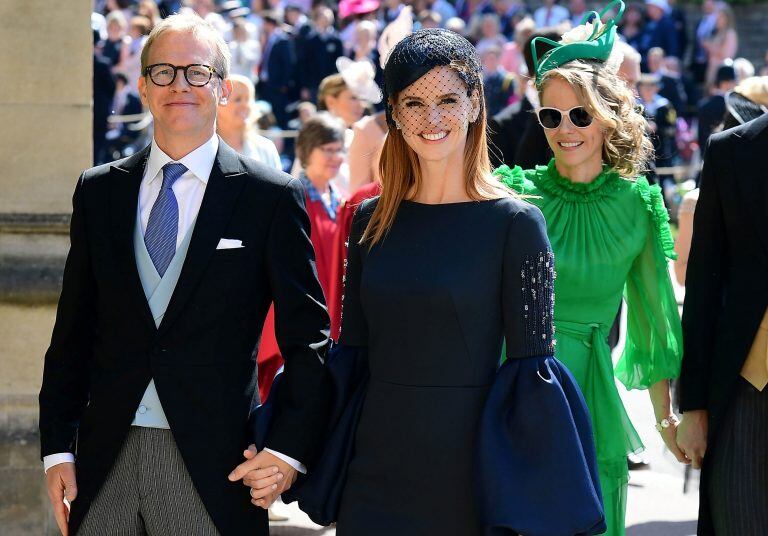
(124, 199)
(754, 182)
(224, 187)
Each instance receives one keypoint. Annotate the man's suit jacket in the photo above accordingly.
(317, 58)
(281, 66)
(105, 346)
(710, 112)
(726, 285)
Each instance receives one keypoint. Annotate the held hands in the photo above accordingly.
(267, 475)
(61, 483)
(662, 407)
(692, 436)
(668, 435)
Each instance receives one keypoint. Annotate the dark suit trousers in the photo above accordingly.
(148, 491)
(738, 481)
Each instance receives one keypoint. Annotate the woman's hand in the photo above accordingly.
(662, 408)
(669, 436)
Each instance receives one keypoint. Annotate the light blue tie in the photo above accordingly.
(163, 224)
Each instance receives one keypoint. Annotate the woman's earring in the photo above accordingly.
(223, 101)
(398, 126)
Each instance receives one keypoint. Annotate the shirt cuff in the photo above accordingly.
(63, 457)
(290, 461)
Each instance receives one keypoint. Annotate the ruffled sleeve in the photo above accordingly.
(653, 350)
(514, 179)
(654, 204)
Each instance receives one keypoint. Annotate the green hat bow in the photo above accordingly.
(597, 46)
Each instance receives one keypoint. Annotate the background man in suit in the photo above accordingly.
(725, 332)
(277, 76)
(176, 254)
(516, 137)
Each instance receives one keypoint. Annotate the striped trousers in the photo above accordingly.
(148, 492)
(738, 480)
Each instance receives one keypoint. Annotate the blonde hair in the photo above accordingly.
(626, 148)
(251, 124)
(401, 174)
(188, 22)
(330, 86)
(251, 89)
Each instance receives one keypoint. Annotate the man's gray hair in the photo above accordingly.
(194, 24)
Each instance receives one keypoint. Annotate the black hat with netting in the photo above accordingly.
(418, 54)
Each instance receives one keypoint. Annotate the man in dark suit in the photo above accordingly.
(318, 53)
(103, 93)
(514, 131)
(176, 254)
(277, 75)
(124, 134)
(711, 110)
(724, 374)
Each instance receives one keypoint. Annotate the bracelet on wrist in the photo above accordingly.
(666, 422)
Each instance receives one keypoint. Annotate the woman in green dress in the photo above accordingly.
(610, 236)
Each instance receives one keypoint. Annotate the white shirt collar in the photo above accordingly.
(199, 162)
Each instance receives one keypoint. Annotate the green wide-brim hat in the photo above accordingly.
(597, 46)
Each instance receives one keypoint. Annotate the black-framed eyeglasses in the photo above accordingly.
(196, 74)
(551, 118)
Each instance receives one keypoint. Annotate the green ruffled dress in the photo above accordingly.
(610, 237)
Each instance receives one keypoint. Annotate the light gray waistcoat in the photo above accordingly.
(158, 292)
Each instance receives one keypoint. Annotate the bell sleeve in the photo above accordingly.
(536, 454)
(653, 349)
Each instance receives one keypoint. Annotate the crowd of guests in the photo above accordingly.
(303, 56)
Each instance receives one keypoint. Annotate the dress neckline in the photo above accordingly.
(549, 179)
(455, 203)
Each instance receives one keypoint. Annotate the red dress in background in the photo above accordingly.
(324, 222)
(335, 291)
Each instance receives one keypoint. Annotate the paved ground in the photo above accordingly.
(657, 505)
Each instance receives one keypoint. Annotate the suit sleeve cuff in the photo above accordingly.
(287, 459)
(66, 457)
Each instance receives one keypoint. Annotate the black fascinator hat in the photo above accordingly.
(422, 51)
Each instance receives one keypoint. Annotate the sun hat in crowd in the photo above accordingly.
(347, 8)
(661, 4)
(359, 78)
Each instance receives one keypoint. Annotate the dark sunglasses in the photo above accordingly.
(551, 118)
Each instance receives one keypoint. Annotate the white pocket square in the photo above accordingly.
(229, 243)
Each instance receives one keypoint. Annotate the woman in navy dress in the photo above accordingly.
(443, 267)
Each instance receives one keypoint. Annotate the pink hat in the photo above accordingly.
(348, 8)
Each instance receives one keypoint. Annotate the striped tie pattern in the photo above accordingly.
(163, 224)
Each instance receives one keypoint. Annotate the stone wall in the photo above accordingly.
(45, 142)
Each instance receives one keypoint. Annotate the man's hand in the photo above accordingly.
(267, 475)
(61, 484)
(692, 436)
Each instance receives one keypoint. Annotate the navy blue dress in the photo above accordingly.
(433, 303)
